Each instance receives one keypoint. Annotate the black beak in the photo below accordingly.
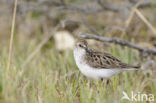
(88, 50)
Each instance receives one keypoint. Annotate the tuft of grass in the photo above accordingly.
(53, 77)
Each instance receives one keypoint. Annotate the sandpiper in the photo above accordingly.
(98, 65)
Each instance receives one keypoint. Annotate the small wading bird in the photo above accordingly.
(98, 65)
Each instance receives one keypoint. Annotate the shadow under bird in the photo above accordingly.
(98, 65)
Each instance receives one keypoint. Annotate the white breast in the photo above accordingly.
(92, 72)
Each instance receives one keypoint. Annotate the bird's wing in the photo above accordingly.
(104, 61)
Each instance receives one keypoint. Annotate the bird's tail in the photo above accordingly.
(136, 67)
(133, 68)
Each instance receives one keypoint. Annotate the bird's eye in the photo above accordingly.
(80, 45)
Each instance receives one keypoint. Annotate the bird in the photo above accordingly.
(98, 65)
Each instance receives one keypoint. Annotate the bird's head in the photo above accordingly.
(81, 45)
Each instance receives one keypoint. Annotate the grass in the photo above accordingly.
(53, 77)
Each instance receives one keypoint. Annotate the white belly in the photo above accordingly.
(94, 73)
(97, 73)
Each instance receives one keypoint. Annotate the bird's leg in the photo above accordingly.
(107, 81)
(101, 79)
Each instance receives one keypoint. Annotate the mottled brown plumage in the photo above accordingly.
(97, 65)
(104, 60)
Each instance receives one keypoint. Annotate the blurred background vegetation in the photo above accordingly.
(42, 66)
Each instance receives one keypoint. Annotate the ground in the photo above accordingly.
(53, 77)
